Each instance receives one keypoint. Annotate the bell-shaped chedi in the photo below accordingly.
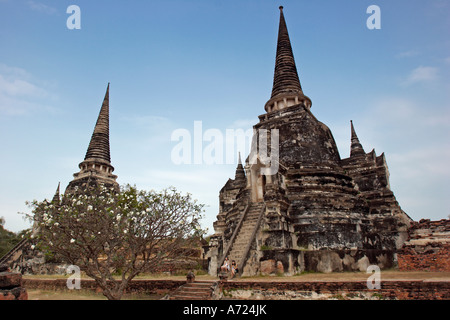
(316, 211)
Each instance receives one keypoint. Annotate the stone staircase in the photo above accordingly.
(197, 290)
(240, 246)
(10, 255)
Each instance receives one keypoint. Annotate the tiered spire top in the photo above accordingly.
(96, 167)
(356, 147)
(286, 90)
(286, 77)
(99, 144)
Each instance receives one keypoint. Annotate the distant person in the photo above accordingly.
(226, 265)
(234, 269)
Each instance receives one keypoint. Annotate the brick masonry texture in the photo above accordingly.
(136, 286)
(427, 248)
(11, 287)
(393, 289)
(390, 289)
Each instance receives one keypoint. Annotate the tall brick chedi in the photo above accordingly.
(96, 167)
(315, 212)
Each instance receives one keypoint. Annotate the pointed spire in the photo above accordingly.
(286, 90)
(96, 167)
(356, 147)
(99, 145)
(56, 197)
(240, 172)
(286, 77)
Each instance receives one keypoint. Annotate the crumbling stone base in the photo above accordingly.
(11, 286)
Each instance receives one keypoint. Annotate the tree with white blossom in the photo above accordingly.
(108, 233)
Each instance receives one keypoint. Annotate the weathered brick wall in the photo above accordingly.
(428, 247)
(11, 286)
(136, 286)
(390, 289)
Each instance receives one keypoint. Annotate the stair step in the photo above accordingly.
(187, 297)
(198, 290)
(200, 284)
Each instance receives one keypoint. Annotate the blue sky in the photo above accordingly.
(171, 63)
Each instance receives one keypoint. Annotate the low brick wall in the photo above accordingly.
(136, 286)
(390, 289)
(11, 286)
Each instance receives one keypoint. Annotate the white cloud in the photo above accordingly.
(19, 87)
(421, 74)
(19, 93)
(42, 8)
(407, 54)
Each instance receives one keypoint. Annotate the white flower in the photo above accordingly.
(72, 240)
(147, 210)
(89, 207)
(56, 224)
(125, 231)
(32, 247)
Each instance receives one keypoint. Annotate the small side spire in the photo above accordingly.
(56, 197)
(356, 147)
(240, 172)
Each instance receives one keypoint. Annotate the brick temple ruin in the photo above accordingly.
(318, 212)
